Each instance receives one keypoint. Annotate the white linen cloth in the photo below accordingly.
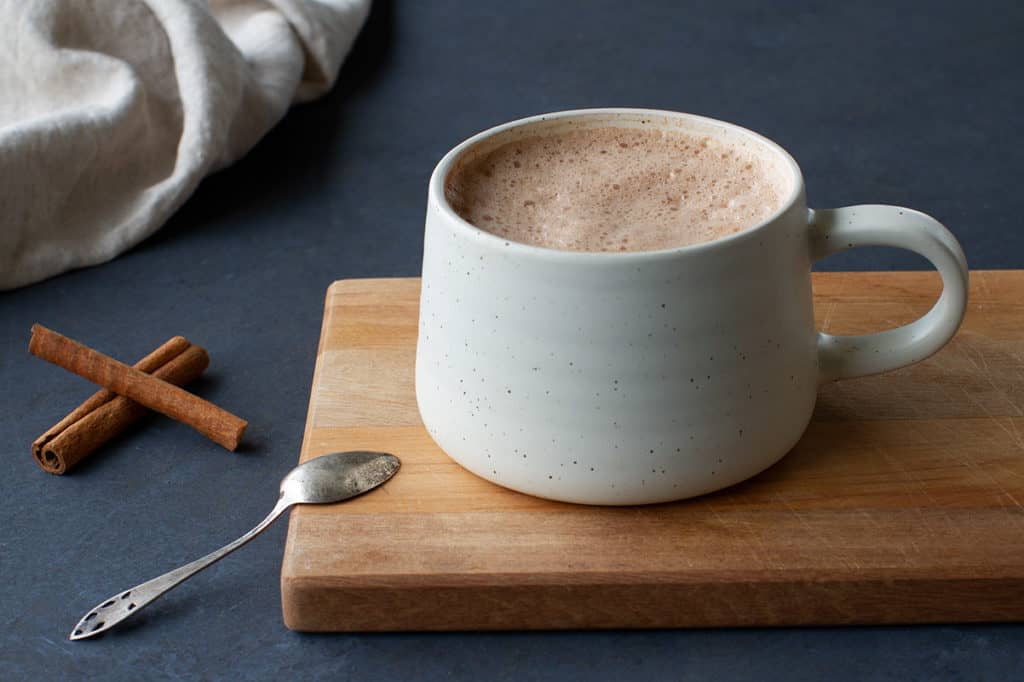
(112, 111)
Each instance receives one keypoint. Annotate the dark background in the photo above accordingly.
(915, 103)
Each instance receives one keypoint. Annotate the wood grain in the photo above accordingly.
(901, 504)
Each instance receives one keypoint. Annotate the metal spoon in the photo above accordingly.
(323, 480)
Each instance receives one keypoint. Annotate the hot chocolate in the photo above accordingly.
(615, 189)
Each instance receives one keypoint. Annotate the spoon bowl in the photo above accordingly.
(337, 477)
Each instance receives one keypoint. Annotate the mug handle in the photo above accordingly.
(835, 230)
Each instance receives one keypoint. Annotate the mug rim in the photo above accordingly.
(438, 199)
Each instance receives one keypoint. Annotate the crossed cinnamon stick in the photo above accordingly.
(154, 383)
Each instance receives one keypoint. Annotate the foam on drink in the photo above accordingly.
(615, 189)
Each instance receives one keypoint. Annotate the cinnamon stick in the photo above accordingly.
(106, 414)
(215, 423)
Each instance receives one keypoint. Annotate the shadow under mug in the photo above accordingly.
(643, 377)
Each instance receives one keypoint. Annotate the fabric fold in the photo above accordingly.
(112, 111)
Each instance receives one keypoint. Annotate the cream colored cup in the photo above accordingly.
(641, 377)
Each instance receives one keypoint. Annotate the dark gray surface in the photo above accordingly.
(911, 103)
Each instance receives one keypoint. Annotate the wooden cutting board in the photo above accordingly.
(902, 503)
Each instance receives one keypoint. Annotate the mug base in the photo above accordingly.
(617, 494)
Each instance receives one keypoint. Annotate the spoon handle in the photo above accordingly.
(123, 604)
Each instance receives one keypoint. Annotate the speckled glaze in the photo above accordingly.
(634, 378)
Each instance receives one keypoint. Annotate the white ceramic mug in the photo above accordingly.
(641, 377)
